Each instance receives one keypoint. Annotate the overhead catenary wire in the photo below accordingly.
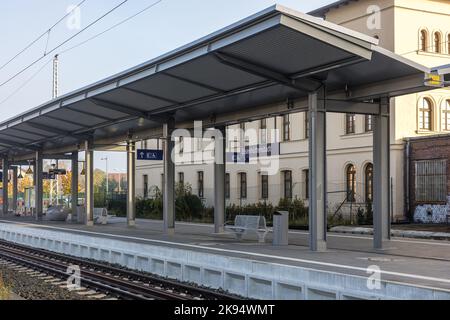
(26, 82)
(78, 45)
(47, 32)
(112, 27)
(63, 43)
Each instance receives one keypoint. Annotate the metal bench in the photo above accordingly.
(249, 224)
(100, 215)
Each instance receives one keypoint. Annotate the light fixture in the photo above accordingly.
(20, 176)
(29, 171)
(83, 172)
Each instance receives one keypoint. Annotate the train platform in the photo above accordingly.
(407, 268)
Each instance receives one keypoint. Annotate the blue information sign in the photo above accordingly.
(48, 176)
(150, 155)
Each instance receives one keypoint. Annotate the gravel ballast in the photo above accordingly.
(28, 287)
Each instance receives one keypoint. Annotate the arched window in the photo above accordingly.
(368, 179)
(446, 116)
(425, 115)
(437, 42)
(423, 40)
(351, 183)
(448, 44)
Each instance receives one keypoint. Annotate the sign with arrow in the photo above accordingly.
(150, 155)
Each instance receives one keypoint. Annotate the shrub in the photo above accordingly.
(4, 290)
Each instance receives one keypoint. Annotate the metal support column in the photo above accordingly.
(381, 158)
(5, 168)
(74, 185)
(169, 178)
(14, 189)
(38, 184)
(89, 190)
(317, 172)
(219, 180)
(131, 182)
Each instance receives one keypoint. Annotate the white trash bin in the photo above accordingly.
(281, 228)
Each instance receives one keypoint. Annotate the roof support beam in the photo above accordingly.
(58, 132)
(17, 145)
(89, 114)
(16, 137)
(344, 106)
(214, 97)
(120, 108)
(198, 84)
(304, 84)
(67, 121)
(30, 132)
(48, 129)
(150, 95)
(391, 88)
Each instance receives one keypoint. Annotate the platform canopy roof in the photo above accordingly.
(269, 57)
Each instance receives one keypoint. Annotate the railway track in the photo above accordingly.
(112, 281)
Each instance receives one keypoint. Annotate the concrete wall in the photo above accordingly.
(245, 277)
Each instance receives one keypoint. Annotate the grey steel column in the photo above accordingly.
(317, 171)
(38, 184)
(89, 189)
(169, 178)
(74, 185)
(131, 182)
(219, 181)
(14, 195)
(5, 167)
(381, 177)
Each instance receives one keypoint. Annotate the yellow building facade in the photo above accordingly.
(415, 29)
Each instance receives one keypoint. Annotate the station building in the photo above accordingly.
(418, 30)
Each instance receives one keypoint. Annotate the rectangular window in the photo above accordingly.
(243, 185)
(306, 184)
(431, 181)
(288, 184)
(227, 186)
(181, 145)
(263, 132)
(350, 121)
(369, 123)
(181, 178)
(242, 135)
(200, 184)
(286, 128)
(145, 144)
(145, 186)
(264, 186)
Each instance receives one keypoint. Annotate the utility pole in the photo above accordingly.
(54, 96)
(55, 77)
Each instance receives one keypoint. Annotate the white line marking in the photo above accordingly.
(334, 235)
(254, 254)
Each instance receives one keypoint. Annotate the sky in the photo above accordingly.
(167, 26)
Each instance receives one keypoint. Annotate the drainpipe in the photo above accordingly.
(407, 178)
